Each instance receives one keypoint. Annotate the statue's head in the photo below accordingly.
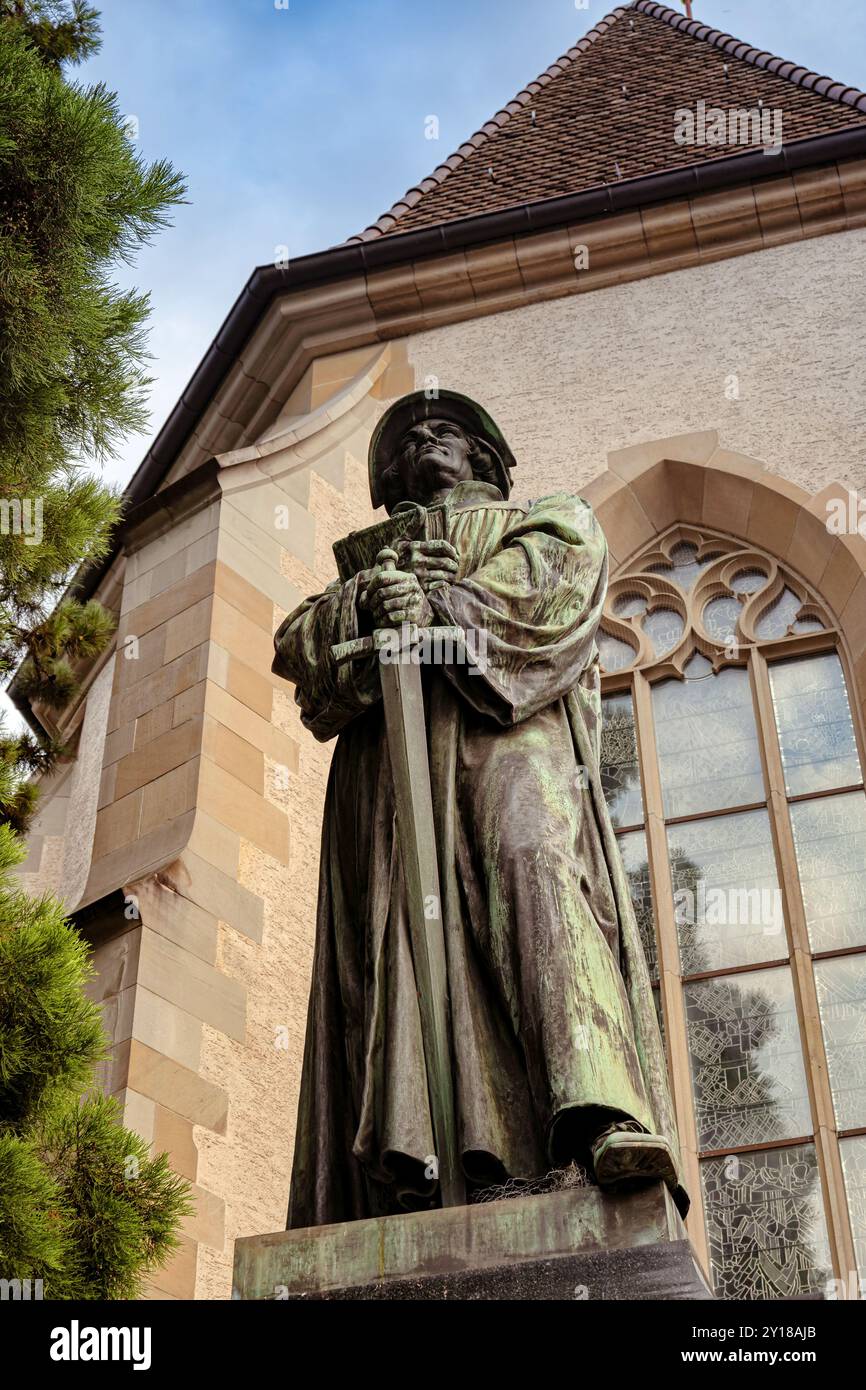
(422, 448)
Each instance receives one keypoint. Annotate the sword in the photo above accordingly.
(406, 731)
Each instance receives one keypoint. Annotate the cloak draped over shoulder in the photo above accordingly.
(554, 1031)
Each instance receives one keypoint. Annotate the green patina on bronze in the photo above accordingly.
(421, 1245)
(552, 1023)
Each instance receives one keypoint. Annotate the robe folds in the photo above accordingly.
(553, 1028)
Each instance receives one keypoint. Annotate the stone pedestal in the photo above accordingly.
(575, 1244)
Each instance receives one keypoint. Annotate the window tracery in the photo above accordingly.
(697, 592)
(728, 726)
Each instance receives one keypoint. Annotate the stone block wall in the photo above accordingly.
(203, 854)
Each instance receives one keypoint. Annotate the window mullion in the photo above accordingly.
(811, 1032)
(670, 980)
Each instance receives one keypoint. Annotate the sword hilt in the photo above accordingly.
(383, 639)
(411, 634)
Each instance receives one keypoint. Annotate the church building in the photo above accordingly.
(649, 267)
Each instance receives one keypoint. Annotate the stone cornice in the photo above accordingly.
(434, 290)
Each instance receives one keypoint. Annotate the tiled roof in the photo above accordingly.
(604, 111)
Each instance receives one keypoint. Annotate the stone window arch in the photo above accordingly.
(733, 762)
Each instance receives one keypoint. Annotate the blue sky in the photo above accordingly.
(296, 127)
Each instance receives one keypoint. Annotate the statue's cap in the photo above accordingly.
(444, 405)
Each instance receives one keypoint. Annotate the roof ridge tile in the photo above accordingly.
(696, 30)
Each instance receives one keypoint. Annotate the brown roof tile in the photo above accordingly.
(604, 111)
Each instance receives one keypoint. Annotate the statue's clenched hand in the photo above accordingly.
(394, 597)
(433, 563)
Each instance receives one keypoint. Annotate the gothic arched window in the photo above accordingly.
(733, 771)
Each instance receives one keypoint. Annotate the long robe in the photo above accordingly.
(553, 1028)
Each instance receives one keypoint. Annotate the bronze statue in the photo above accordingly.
(499, 1023)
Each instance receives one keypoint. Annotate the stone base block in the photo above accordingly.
(576, 1244)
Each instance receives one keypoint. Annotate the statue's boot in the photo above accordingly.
(625, 1152)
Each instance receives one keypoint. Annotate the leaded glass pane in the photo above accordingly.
(634, 857)
(684, 567)
(657, 1000)
(664, 628)
(765, 1224)
(779, 616)
(747, 1064)
(830, 840)
(853, 1153)
(629, 605)
(816, 732)
(720, 619)
(841, 986)
(748, 581)
(613, 653)
(620, 773)
(727, 902)
(707, 740)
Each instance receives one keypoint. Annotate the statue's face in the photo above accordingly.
(433, 457)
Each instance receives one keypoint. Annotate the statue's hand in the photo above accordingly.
(394, 597)
(433, 563)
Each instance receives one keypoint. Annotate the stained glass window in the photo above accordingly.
(703, 606)
(765, 1224)
(620, 775)
(830, 840)
(747, 1062)
(664, 628)
(629, 605)
(707, 740)
(841, 986)
(816, 732)
(853, 1153)
(729, 590)
(634, 857)
(657, 1001)
(781, 614)
(614, 654)
(727, 901)
(720, 619)
(684, 566)
(748, 580)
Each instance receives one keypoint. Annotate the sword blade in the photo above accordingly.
(406, 729)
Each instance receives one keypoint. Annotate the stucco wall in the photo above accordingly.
(571, 379)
